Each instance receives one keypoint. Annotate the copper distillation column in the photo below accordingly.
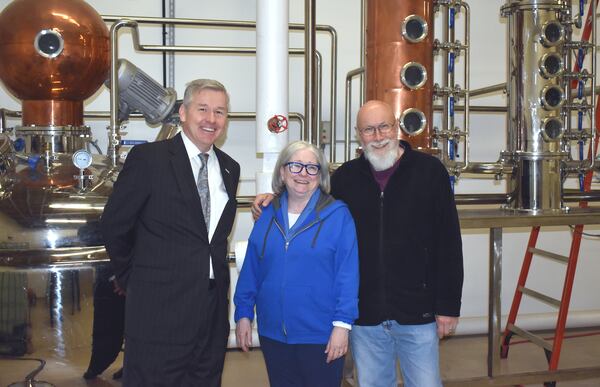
(399, 64)
(399, 70)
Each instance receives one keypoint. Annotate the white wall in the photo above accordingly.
(488, 64)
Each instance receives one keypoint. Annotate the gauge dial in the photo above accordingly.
(82, 159)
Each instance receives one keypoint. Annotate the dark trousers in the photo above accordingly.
(109, 321)
(300, 365)
(199, 363)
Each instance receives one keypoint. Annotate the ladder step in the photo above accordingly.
(539, 296)
(548, 254)
(535, 339)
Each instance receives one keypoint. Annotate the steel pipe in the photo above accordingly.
(574, 195)
(467, 97)
(222, 50)
(310, 83)
(472, 199)
(363, 51)
(477, 109)
(348, 111)
(593, 96)
(252, 25)
(2, 120)
(231, 115)
(488, 90)
(497, 168)
(114, 127)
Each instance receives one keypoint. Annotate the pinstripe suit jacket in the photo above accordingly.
(157, 241)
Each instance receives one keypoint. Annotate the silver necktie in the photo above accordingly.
(203, 190)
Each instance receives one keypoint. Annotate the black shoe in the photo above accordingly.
(90, 375)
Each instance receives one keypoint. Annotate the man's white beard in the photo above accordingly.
(381, 162)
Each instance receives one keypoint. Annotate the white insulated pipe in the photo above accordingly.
(272, 79)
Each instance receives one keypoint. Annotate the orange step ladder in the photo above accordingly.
(551, 350)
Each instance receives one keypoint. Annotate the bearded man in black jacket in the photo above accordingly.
(410, 253)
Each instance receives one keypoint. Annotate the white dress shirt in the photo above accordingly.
(216, 186)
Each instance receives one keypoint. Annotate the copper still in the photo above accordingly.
(54, 57)
(399, 65)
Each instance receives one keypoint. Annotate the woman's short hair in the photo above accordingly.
(285, 156)
(198, 85)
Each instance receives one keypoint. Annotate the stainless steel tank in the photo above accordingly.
(52, 189)
(538, 31)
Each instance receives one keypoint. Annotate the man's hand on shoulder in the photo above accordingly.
(260, 201)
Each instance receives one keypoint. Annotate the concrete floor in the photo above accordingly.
(65, 345)
(461, 357)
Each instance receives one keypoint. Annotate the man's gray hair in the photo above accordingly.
(285, 156)
(198, 85)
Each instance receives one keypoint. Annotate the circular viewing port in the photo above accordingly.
(412, 121)
(552, 128)
(553, 33)
(552, 97)
(48, 43)
(414, 29)
(413, 75)
(551, 65)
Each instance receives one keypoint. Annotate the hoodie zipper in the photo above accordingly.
(381, 252)
(287, 243)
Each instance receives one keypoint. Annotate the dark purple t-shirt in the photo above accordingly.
(382, 177)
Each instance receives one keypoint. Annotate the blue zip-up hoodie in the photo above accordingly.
(300, 279)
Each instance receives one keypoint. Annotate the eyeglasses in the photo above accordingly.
(383, 128)
(296, 167)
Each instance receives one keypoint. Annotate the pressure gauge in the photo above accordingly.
(82, 159)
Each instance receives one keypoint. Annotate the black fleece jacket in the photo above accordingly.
(410, 248)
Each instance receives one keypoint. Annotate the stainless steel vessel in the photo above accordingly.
(52, 188)
(541, 102)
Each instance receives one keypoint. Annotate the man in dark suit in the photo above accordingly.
(166, 226)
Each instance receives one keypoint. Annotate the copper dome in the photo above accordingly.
(55, 54)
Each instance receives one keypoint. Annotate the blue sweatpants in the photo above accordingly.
(300, 365)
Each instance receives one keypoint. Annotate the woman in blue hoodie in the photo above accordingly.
(301, 273)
